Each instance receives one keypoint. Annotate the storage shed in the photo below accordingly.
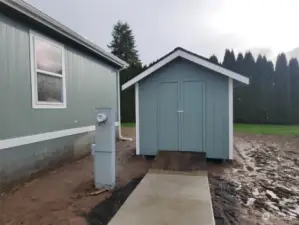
(184, 102)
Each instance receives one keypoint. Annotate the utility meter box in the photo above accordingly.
(104, 152)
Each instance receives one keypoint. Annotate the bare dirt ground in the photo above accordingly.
(261, 186)
(62, 195)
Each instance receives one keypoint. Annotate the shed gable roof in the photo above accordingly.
(190, 56)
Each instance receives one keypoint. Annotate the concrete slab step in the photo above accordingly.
(174, 192)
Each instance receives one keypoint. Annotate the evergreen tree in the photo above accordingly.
(123, 46)
(229, 60)
(239, 68)
(123, 43)
(282, 90)
(239, 103)
(294, 77)
(249, 65)
(249, 105)
(268, 100)
(262, 86)
(233, 60)
(214, 59)
(259, 110)
(128, 96)
(273, 94)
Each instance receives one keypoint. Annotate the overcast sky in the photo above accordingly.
(205, 27)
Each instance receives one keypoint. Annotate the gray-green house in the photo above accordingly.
(184, 102)
(51, 81)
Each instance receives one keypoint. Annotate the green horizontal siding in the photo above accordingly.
(90, 84)
(20, 162)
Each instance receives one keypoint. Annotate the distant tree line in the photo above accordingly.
(272, 96)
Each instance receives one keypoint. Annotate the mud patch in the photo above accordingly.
(262, 185)
(225, 205)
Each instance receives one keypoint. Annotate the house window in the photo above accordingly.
(47, 73)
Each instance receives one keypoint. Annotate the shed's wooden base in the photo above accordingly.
(180, 161)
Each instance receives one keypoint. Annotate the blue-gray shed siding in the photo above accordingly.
(90, 83)
(215, 136)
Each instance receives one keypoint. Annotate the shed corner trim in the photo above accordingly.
(230, 119)
(137, 120)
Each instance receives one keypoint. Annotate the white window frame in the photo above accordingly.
(39, 104)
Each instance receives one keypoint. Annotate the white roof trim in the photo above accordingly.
(192, 58)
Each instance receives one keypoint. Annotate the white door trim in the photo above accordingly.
(137, 119)
(30, 139)
(230, 117)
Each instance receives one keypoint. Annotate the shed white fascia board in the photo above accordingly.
(192, 58)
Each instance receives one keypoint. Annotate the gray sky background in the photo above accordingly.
(205, 27)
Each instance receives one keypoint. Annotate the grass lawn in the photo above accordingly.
(128, 124)
(267, 129)
(256, 129)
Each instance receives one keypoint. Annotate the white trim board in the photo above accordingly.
(191, 57)
(14, 142)
(137, 119)
(230, 118)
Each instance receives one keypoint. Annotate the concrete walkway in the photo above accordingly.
(168, 198)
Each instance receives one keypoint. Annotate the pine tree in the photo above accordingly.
(233, 60)
(273, 94)
(282, 90)
(259, 111)
(294, 77)
(239, 63)
(226, 58)
(214, 59)
(262, 86)
(123, 43)
(239, 104)
(229, 60)
(123, 46)
(249, 65)
(249, 70)
(268, 99)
